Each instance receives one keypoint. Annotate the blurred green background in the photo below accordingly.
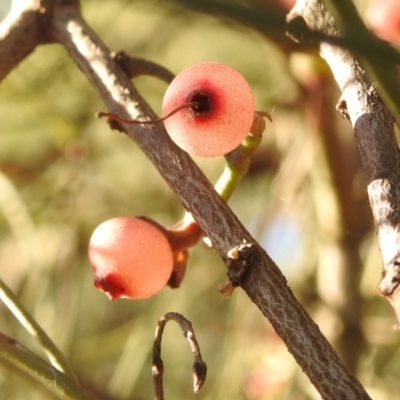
(63, 172)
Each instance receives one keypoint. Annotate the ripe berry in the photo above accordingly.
(222, 112)
(384, 17)
(131, 258)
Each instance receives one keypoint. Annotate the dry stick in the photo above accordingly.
(265, 285)
(199, 366)
(256, 273)
(374, 130)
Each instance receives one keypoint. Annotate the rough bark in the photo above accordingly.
(374, 131)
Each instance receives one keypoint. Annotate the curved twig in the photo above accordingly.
(199, 366)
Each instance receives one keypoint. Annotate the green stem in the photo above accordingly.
(55, 356)
(384, 73)
(17, 355)
(238, 160)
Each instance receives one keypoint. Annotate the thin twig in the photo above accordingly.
(53, 353)
(135, 66)
(117, 118)
(199, 366)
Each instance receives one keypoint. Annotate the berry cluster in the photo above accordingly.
(208, 110)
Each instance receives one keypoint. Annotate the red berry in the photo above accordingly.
(223, 116)
(131, 258)
(384, 17)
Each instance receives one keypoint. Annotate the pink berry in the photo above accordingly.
(223, 117)
(131, 258)
(384, 17)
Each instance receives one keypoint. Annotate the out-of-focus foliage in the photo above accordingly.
(63, 172)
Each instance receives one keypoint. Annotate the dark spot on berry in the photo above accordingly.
(203, 100)
(110, 284)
